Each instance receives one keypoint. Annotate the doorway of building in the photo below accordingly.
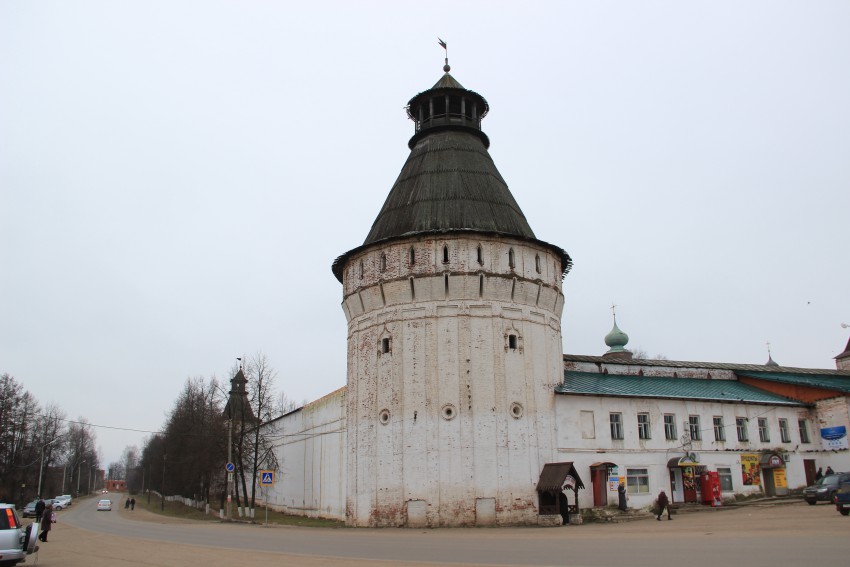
(809, 467)
(599, 476)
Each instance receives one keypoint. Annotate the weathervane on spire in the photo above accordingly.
(446, 67)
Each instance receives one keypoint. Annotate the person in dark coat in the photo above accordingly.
(819, 474)
(829, 471)
(39, 509)
(132, 503)
(621, 494)
(663, 503)
(46, 522)
(127, 504)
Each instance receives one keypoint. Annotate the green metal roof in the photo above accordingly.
(825, 381)
(635, 386)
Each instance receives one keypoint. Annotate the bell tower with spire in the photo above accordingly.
(454, 336)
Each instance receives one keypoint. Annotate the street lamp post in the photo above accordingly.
(41, 467)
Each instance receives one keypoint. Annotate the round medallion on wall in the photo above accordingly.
(448, 412)
(384, 416)
(516, 410)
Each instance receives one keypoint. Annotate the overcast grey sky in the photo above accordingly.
(177, 177)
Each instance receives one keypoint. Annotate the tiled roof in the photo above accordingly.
(632, 386)
(708, 365)
(825, 381)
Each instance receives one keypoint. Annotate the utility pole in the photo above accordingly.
(164, 457)
(41, 467)
(229, 460)
(80, 464)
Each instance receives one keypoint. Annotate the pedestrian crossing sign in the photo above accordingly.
(266, 478)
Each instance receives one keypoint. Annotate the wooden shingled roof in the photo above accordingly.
(449, 184)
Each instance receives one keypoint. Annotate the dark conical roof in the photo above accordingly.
(449, 182)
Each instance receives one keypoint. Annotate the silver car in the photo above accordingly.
(14, 545)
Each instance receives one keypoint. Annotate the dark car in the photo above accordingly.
(824, 490)
(29, 509)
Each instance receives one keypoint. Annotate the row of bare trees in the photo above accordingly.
(188, 457)
(39, 447)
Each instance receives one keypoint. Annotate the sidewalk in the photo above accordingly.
(614, 515)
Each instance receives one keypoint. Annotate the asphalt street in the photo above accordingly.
(756, 535)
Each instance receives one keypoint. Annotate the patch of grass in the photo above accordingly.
(180, 510)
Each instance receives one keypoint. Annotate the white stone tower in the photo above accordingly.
(454, 336)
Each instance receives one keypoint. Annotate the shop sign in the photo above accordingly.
(775, 461)
(833, 438)
(613, 483)
(779, 480)
(750, 469)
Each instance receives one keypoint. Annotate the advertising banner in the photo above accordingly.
(779, 480)
(750, 469)
(834, 438)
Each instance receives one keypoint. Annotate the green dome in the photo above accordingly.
(616, 339)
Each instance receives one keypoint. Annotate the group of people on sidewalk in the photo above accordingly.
(662, 503)
(130, 504)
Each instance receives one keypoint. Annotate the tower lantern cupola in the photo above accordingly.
(447, 106)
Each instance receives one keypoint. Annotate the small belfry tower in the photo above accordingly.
(454, 336)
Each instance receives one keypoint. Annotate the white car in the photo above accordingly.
(105, 505)
(65, 499)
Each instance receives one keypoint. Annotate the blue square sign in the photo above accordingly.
(266, 478)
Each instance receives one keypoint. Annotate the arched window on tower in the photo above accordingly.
(445, 254)
(383, 261)
(537, 263)
(511, 260)
(480, 255)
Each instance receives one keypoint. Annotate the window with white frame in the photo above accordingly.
(637, 481)
(670, 427)
(741, 426)
(725, 475)
(643, 426)
(764, 433)
(719, 430)
(616, 425)
(694, 428)
(784, 435)
(804, 431)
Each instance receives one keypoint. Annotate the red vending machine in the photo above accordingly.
(710, 489)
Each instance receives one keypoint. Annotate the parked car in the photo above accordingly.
(29, 509)
(65, 499)
(104, 505)
(13, 538)
(824, 490)
(57, 504)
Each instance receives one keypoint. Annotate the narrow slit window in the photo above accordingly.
(537, 263)
(412, 254)
(385, 345)
(445, 254)
(446, 284)
(512, 342)
(511, 260)
(481, 285)
(480, 255)
(383, 262)
(361, 269)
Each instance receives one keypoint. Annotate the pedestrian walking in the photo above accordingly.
(127, 504)
(819, 474)
(39, 509)
(661, 503)
(829, 471)
(46, 522)
(132, 503)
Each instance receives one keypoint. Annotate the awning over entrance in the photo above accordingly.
(771, 461)
(686, 461)
(553, 477)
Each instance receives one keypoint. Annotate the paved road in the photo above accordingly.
(755, 536)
